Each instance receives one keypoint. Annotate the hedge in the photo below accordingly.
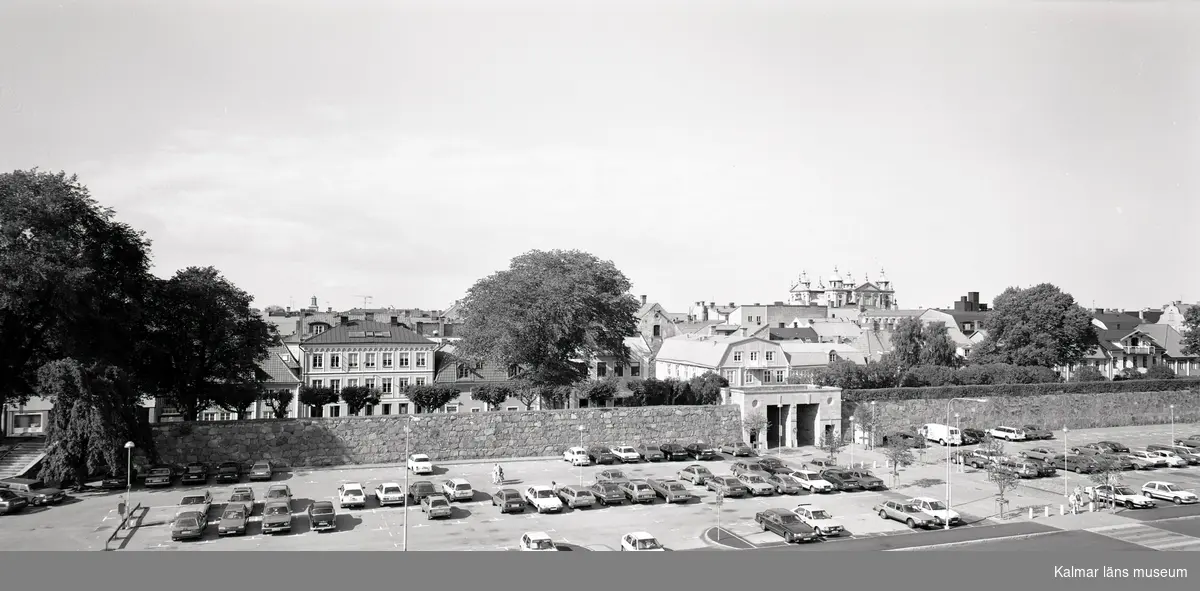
(1017, 390)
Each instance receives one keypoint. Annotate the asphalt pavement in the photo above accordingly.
(1064, 541)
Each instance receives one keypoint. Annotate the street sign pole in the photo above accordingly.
(720, 502)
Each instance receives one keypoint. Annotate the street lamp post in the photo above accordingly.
(584, 448)
(407, 470)
(1066, 473)
(129, 445)
(851, 442)
(871, 441)
(1172, 424)
(958, 427)
(949, 464)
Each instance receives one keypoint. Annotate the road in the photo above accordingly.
(1065, 541)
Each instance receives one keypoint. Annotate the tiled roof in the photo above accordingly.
(705, 351)
(281, 366)
(1167, 337)
(813, 354)
(830, 330)
(792, 334)
(874, 313)
(697, 327)
(676, 317)
(1117, 321)
(1152, 316)
(364, 332)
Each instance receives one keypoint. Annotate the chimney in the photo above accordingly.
(344, 319)
(420, 328)
(289, 310)
(705, 311)
(757, 304)
(370, 316)
(1099, 310)
(745, 331)
(395, 321)
(732, 305)
(329, 310)
(961, 305)
(643, 300)
(778, 303)
(973, 297)
(983, 307)
(314, 302)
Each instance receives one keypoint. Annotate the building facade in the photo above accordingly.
(795, 414)
(840, 291)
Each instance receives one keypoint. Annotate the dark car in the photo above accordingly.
(650, 452)
(773, 465)
(673, 451)
(195, 473)
(1044, 468)
(909, 438)
(261, 471)
(229, 472)
(233, 521)
(277, 517)
(973, 436)
(842, 480)
(188, 525)
(421, 489)
(727, 486)
(119, 479)
(702, 451)
(787, 525)
(11, 502)
(1079, 464)
(1114, 447)
(737, 449)
(1033, 432)
(322, 516)
(159, 476)
(508, 500)
(742, 466)
(867, 480)
(599, 454)
(34, 491)
(1122, 462)
(607, 493)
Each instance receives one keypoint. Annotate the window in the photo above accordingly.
(464, 371)
(749, 378)
(385, 386)
(352, 360)
(401, 409)
(451, 408)
(737, 355)
(402, 382)
(208, 416)
(657, 331)
(386, 409)
(387, 360)
(618, 370)
(479, 365)
(318, 361)
(766, 377)
(335, 385)
(758, 319)
(730, 376)
(318, 384)
(352, 383)
(369, 410)
(635, 370)
(832, 356)
(475, 409)
(369, 382)
(601, 369)
(31, 422)
(513, 370)
(369, 362)
(779, 376)
(420, 381)
(335, 361)
(754, 356)
(403, 360)
(335, 410)
(770, 355)
(510, 408)
(421, 358)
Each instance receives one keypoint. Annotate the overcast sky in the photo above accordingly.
(404, 150)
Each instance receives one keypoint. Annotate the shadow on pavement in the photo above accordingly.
(347, 522)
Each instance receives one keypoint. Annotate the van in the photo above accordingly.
(942, 434)
(1007, 433)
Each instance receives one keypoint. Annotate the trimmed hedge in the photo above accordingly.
(1017, 390)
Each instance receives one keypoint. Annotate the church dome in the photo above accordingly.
(835, 277)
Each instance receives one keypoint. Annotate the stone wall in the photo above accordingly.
(380, 439)
(1076, 411)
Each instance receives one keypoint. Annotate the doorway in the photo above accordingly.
(773, 421)
(806, 424)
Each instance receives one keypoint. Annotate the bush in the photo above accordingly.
(1088, 373)
(1017, 390)
(929, 375)
(1159, 372)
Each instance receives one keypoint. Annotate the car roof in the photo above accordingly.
(435, 497)
(419, 456)
(459, 481)
(923, 499)
(539, 487)
(387, 484)
(191, 514)
(537, 535)
(320, 504)
(286, 504)
(352, 484)
(508, 491)
(640, 535)
(277, 486)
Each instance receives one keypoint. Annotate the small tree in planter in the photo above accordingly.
(554, 396)
(279, 401)
(899, 455)
(753, 423)
(359, 397)
(431, 398)
(316, 398)
(1108, 472)
(1005, 480)
(599, 392)
(493, 395)
(832, 445)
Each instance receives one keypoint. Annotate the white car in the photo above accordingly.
(818, 519)
(1148, 457)
(577, 456)
(420, 464)
(199, 502)
(1173, 459)
(1120, 495)
(756, 483)
(626, 453)
(543, 499)
(1007, 433)
(940, 512)
(389, 493)
(1168, 492)
(812, 481)
(640, 541)
(458, 489)
(536, 541)
(352, 494)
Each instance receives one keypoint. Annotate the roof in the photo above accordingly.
(537, 535)
(1152, 316)
(695, 327)
(286, 325)
(961, 316)
(281, 366)
(828, 330)
(793, 333)
(1166, 336)
(705, 351)
(1119, 321)
(364, 332)
(676, 317)
(868, 286)
(876, 313)
(809, 354)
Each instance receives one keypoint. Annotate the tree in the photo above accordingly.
(753, 423)
(359, 397)
(908, 339)
(706, 388)
(1107, 471)
(316, 398)
(1130, 373)
(1191, 331)
(73, 280)
(1005, 480)
(832, 445)
(1087, 373)
(1016, 329)
(548, 309)
(429, 398)
(937, 348)
(843, 374)
(203, 336)
(278, 401)
(238, 398)
(275, 309)
(598, 392)
(493, 395)
(650, 392)
(1160, 372)
(899, 455)
(929, 375)
(526, 392)
(554, 396)
(884, 373)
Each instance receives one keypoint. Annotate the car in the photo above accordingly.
(1189, 441)
(1007, 433)
(1173, 460)
(818, 519)
(971, 436)
(607, 493)
(756, 483)
(188, 525)
(536, 541)
(906, 513)
(601, 455)
(842, 480)
(322, 516)
(421, 489)
(1022, 468)
(1144, 460)
(773, 465)
(737, 449)
(233, 521)
(577, 456)
(11, 502)
(352, 494)
(702, 451)
(742, 466)
(277, 517)
(508, 500)
(819, 464)
(638, 491)
(278, 492)
(1118, 461)
(726, 486)
(543, 499)
(458, 489)
(575, 496)
(389, 493)
(914, 441)
(195, 472)
(940, 512)
(785, 484)
(671, 490)
(1091, 449)
(420, 464)
(626, 453)
(979, 458)
(812, 481)
(33, 490)
(1079, 464)
(228, 472)
(1168, 492)
(1035, 433)
(118, 479)
(199, 502)
(1190, 455)
(787, 525)
(695, 474)
(1044, 468)
(673, 452)
(867, 480)
(612, 475)
(650, 452)
(1119, 495)
(244, 496)
(434, 506)
(261, 471)
(159, 476)
(1115, 447)
(1039, 453)
(640, 542)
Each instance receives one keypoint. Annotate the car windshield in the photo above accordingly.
(543, 494)
(160, 472)
(675, 487)
(625, 450)
(512, 496)
(391, 490)
(910, 508)
(354, 492)
(234, 514)
(424, 486)
(936, 505)
(701, 470)
(462, 486)
(616, 475)
(196, 500)
(820, 514)
(261, 467)
(278, 510)
(437, 502)
(1121, 490)
(754, 478)
(648, 544)
(276, 493)
(195, 469)
(1170, 487)
(228, 467)
(788, 518)
(322, 510)
(420, 458)
(187, 523)
(541, 544)
(731, 482)
(608, 487)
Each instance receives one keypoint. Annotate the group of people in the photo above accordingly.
(497, 474)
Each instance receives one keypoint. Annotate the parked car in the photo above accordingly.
(737, 449)
(577, 456)
(119, 479)
(1079, 464)
(671, 490)
(940, 434)
(940, 512)
(277, 517)
(785, 484)
(702, 451)
(867, 480)
(575, 496)
(906, 513)
(626, 453)
(695, 474)
(756, 483)
(352, 495)
(726, 486)
(787, 525)
(194, 473)
(244, 496)
(322, 516)
(435, 506)
(1114, 447)
(972, 436)
(1039, 453)
(1173, 460)
(601, 455)
(607, 493)
(979, 458)
(1168, 491)
(1044, 468)
(1145, 460)
(159, 476)
(650, 452)
(228, 472)
(1190, 441)
(278, 492)
(536, 541)
(1007, 433)
(812, 481)
(188, 526)
(1035, 433)
(818, 519)
(818, 464)
(389, 493)
(11, 502)
(673, 452)
(638, 491)
(1119, 461)
(261, 471)
(199, 502)
(233, 521)
(458, 489)
(742, 466)
(612, 475)
(1191, 455)
(772, 465)
(1091, 449)
(34, 491)
(914, 441)
(543, 499)
(842, 480)
(640, 542)
(1119, 495)
(421, 489)
(1021, 468)
(420, 464)
(509, 500)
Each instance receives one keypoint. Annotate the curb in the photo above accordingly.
(401, 464)
(969, 542)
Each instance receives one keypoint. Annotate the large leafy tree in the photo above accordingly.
(546, 312)
(706, 388)
(1191, 331)
(359, 397)
(316, 398)
(204, 341)
(278, 400)
(1041, 326)
(493, 395)
(72, 279)
(917, 343)
(431, 397)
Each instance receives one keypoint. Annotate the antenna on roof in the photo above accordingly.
(366, 300)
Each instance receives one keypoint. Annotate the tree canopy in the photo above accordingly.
(1040, 326)
(359, 397)
(1191, 331)
(431, 397)
(493, 395)
(917, 343)
(549, 313)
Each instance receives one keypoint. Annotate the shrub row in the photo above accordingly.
(1017, 390)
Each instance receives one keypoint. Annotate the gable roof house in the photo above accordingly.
(1173, 315)
(1123, 343)
(1172, 343)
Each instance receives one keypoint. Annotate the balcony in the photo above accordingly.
(1139, 350)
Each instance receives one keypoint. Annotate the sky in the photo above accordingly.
(712, 150)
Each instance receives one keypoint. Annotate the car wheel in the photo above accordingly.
(1128, 504)
(882, 514)
(764, 525)
(1177, 500)
(943, 442)
(818, 531)
(911, 524)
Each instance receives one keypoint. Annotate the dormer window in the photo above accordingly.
(513, 370)
(833, 356)
(464, 371)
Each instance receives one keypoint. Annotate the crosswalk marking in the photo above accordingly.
(1149, 537)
